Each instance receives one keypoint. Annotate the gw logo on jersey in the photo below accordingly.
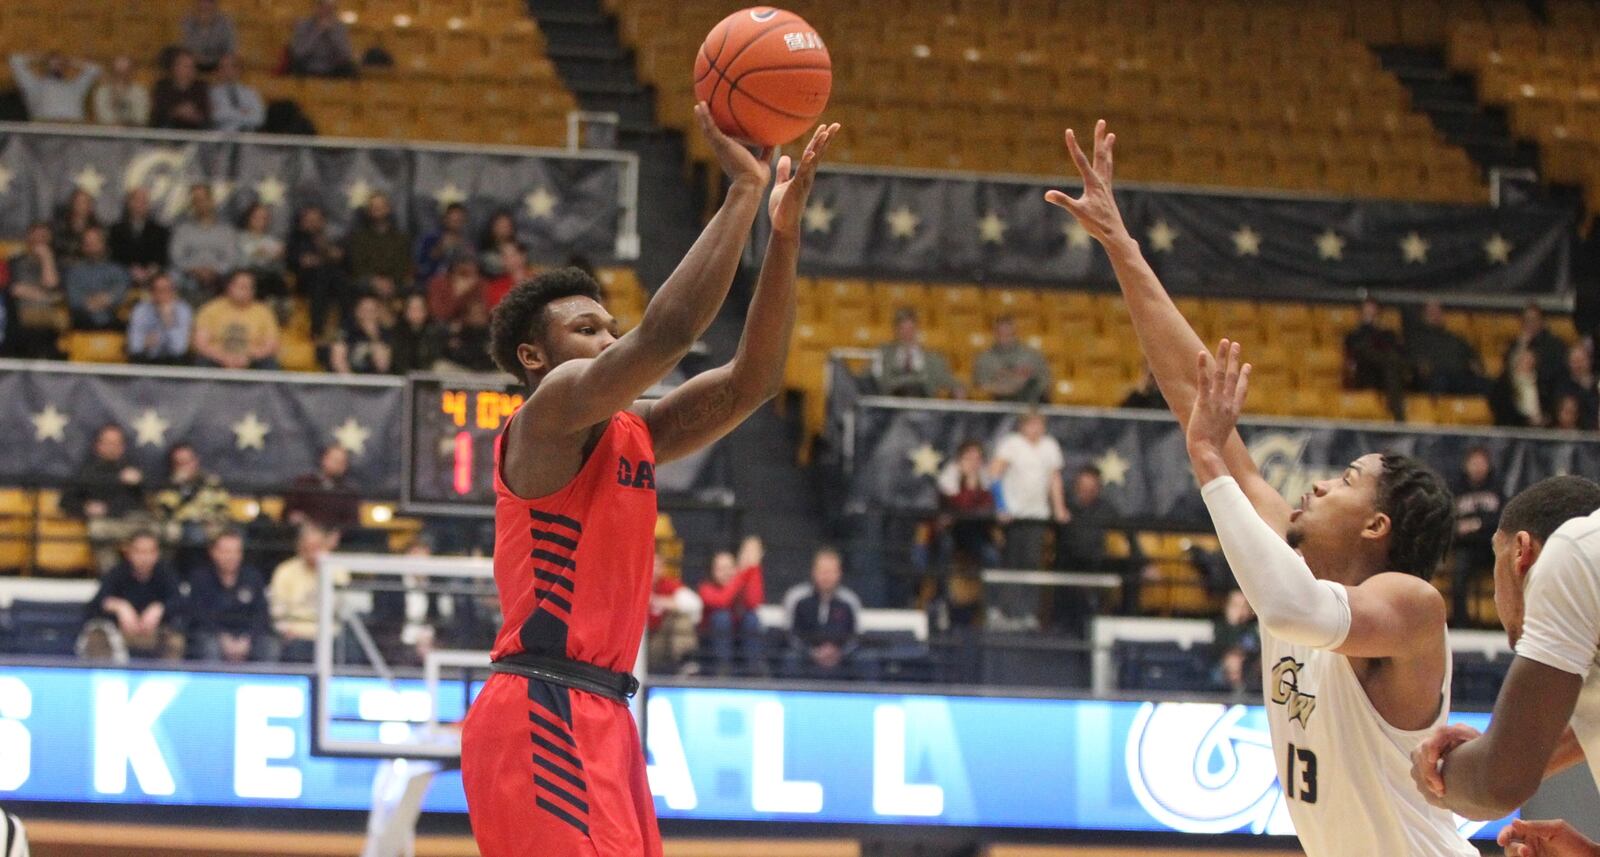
(1286, 691)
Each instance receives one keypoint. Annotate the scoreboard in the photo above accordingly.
(451, 425)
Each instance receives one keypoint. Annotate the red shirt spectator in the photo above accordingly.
(450, 291)
(736, 590)
(514, 269)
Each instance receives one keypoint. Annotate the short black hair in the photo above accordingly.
(1421, 512)
(1547, 504)
(520, 317)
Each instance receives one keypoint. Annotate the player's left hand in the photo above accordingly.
(1545, 839)
(1222, 385)
(1097, 208)
(789, 194)
(1426, 758)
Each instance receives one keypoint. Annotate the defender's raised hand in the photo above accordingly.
(1223, 384)
(1097, 209)
(788, 200)
(741, 165)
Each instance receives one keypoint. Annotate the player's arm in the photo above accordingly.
(711, 404)
(579, 394)
(1166, 338)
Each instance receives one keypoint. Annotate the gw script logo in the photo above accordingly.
(1286, 691)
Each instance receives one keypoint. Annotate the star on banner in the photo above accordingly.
(50, 424)
(903, 222)
(1414, 248)
(1162, 237)
(150, 429)
(540, 203)
(925, 460)
(1078, 238)
(991, 229)
(449, 195)
(89, 181)
(250, 432)
(1247, 242)
(220, 188)
(819, 217)
(1497, 249)
(352, 436)
(5, 179)
(1330, 246)
(1113, 468)
(356, 194)
(270, 191)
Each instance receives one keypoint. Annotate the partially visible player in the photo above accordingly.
(13, 836)
(550, 756)
(1354, 652)
(1547, 719)
(1551, 838)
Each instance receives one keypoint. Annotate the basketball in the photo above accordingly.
(765, 74)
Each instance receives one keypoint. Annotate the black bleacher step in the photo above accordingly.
(567, 11)
(593, 73)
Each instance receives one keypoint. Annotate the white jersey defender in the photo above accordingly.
(1345, 772)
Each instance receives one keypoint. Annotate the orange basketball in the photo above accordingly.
(765, 74)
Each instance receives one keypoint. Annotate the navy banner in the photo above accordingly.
(563, 203)
(865, 222)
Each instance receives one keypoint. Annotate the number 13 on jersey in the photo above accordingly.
(1300, 774)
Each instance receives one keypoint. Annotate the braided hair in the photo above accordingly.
(1421, 514)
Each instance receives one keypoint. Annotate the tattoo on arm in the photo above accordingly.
(705, 411)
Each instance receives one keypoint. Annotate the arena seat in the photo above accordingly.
(63, 548)
(96, 347)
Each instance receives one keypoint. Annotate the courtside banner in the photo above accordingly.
(221, 739)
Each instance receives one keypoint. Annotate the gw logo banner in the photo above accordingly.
(1286, 691)
(1279, 456)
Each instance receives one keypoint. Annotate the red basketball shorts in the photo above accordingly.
(554, 772)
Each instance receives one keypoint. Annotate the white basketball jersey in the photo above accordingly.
(1346, 773)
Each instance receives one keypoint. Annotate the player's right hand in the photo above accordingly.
(1096, 210)
(1222, 382)
(1545, 839)
(741, 165)
(1425, 759)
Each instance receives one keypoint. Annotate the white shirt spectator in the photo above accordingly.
(1025, 485)
(236, 107)
(49, 98)
(1561, 625)
(125, 104)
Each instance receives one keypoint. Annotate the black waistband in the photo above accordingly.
(615, 686)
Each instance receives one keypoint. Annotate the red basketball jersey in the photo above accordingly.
(573, 568)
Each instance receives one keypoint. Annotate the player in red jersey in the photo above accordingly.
(550, 756)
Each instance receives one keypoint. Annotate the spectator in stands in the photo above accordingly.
(1568, 414)
(391, 302)
(208, 33)
(37, 298)
(1237, 643)
(192, 507)
(418, 339)
(96, 286)
(1440, 361)
(514, 269)
(325, 498)
(365, 346)
(137, 240)
(235, 105)
(466, 341)
(1515, 399)
(1579, 384)
(293, 594)
(1549, 351)
(161, 325)
(317, 262)
(1027, 464)
(181, 99)
(453, 290)
(435, 249)
(502, 230)
(69, 223)
(824, 619)
(675, 610)
(236, 331)
(731, 595)
(108, 493)
(262, 253)
(229, 616)
(967, 510)
(320, 45)
(1374, 360)
(204, 248)
(55, 91)
(1478, 502)
(905, 368)
(1011, 371)
(377, 246)
(1146, 396)
(121, 99)
(133, 609)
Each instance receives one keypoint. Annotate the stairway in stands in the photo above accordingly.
(777, 500)
(1450, 100)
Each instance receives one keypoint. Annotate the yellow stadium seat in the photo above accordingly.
(63, 547)
(888, 298)
(1422, 410)
(1464, 410)
(298, 355)
(16, 544)
(1362, 405)
(85, 347)
(16, 503)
